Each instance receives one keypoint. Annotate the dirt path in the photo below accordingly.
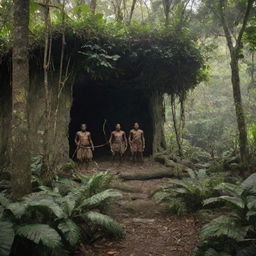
(150, 230)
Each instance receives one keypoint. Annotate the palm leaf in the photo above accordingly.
(224, 226)
(100, 197)
(40, 233)
(6, 237)
(106, 222)
(70, 231)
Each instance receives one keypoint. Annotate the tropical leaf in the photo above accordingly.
(4, 201)
(6, 237)
(18, 209)
(40, 233)
(212, 252)
(236, 201)
(46, 203)
(106, 222)
(247, 251)
(230, 189)
(70, 231)
(249, 182)
(224, 226)
(100, 197)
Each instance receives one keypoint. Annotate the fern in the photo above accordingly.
(99, 182)
(6, 237)
(40, 233)
(187, 195)
(70, 231)
(106, 222)
(224, 226)
(99, 198)
(46, 204)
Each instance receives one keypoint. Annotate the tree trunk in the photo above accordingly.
(177, 128)
(234, 53)
(239, 108)
(93, 5)
(20, 153)
(158, 116)
(132, 10)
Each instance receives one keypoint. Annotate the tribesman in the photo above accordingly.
(137, 143)
(118, 143)
(85, 146)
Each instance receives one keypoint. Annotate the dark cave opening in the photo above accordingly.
(94, 103)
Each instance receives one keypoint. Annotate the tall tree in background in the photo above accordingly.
(93, 5)
(20, 155)
(132, 11)
(235, 47)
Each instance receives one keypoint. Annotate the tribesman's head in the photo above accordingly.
(83, 127)
(118, 127)
(136, 126)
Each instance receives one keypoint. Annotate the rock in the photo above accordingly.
(146, 221)
(187, 163)
(203, 165)
(178, 171)
(170, 163)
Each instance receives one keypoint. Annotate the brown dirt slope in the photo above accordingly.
(150, 230)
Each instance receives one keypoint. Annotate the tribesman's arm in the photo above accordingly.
(130, 137)
(90, 140)
(77, 139)
(110, 140)
(143, 140)
(125, 140)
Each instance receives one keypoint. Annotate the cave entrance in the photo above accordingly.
(95, 103)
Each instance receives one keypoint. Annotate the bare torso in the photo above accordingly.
(118, 136)
(136, 135)
(83, 138)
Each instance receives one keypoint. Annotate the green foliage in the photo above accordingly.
(98, 63)
(56, 220)
(187, 195)
(233, 233)
(40, 233)
(6, 237)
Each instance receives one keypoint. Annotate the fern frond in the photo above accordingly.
(99, 198)
(18, 209)
(46, 203)
(6, 237)
(235, 201)
(212, 252)
(106, 222)
(99, 182)
(224, 226)
(247, 251)
(4, 200)
(229, 189)
(177, 206)
(70, 231)
(40, 233)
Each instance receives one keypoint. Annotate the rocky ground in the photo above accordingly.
(150, 230)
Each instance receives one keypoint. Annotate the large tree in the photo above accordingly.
(20, 155)
(235, 46)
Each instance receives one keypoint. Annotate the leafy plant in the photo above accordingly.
(187, 195)
(53, 220)
(235, 232)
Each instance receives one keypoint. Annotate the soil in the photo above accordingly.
(150, 229)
